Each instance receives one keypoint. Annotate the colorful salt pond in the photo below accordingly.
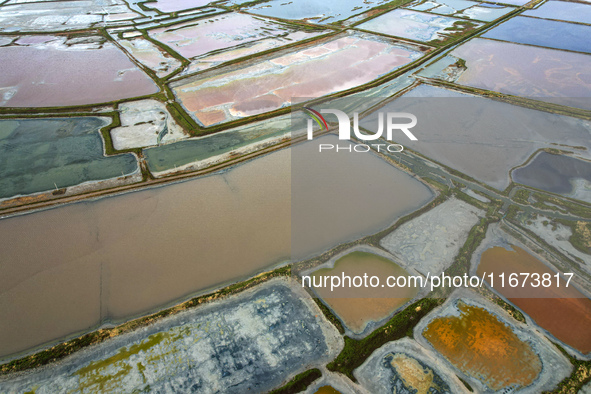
(145, 123)
(563, 311)
(250, 342)
(521, 70)
(197, 153)
(226, 37)
(404, 366)
(479, 137)
(562, 10)
(418, 26)
(38, 155)
(328, 11)
(484, 347)
(150, 56)
(86, 70)
(41, 16)
(461, 8)
(357, 307)
(430, 242)
(334, 65)
(122, 256)
(558, 174)
(543, 32)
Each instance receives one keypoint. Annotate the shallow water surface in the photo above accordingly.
(563, 10)
(334, 65)
(556, 174)
(71, 75)
(357, 306)
(526, 71)
(564, 312)
(38, 155)
(418, 26)
(327, 11)
(543, 32)
(67, 269)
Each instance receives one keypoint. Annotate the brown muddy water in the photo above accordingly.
(564, 312)
(357, 306)
(63, 271)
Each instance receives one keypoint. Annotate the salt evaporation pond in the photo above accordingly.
(73, 73)
(250, 342)
(358, 306)
(150, 56)
(216, 147)
(562, 10)
(462, 8)
(480, 137)
(176, 5)
(563, 311)
(123, 256)
(543, 32)
(196, 38)
(334, 65)
(328, 11)
(521, 70)
(557, 174)
(41, 16)
(38, 155)
(404, 366)
(418, 26)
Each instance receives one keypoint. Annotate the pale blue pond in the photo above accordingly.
(326, 11)
(167, 157)
(462, 8)
(543, 32)
(564, 11)
(37, 155)
(556, 174)
(418, 26)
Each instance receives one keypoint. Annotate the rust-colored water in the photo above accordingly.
(564, 312)
(359, 305)
(482, 346)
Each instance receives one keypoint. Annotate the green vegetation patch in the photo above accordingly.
(580, 375)
(299, 383)
(356, 351)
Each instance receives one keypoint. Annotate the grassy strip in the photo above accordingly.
(401, 325)
(299, 383)
(64, 349)
(462, 263)
(521, 196)
(510, 309)
(580, 376)
(579, 210)
(460, 195)
(328, 314)
(581, 237)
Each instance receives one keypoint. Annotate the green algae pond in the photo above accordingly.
(38, 155)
